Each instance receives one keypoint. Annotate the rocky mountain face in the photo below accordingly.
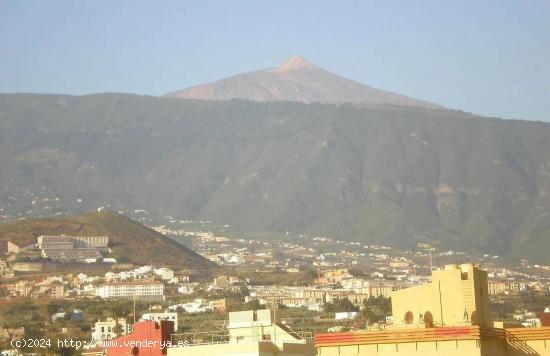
(297, 80)
(394, 175)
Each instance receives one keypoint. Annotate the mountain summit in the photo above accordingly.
(296, 79)
(295, 63)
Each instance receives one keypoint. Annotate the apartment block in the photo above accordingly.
(65, 248)
(149, 290)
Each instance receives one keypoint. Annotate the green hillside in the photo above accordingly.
(129, 240)
(388, 174)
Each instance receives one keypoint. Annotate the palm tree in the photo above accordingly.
(385, 305)
(368, 313)
(118, 310)
(117, 329)
(50, 308)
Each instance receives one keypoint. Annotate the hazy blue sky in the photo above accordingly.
(487, 57)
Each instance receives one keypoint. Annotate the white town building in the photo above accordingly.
(105, 330)
(134, 290)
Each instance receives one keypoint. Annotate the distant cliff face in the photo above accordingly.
(297, 80)
(397, 175)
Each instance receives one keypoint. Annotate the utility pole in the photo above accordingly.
(318, 274)
(430, 249)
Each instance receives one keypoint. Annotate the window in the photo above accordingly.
(409, 317)
(428, 319)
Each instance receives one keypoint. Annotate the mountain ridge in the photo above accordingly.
(396, 176)
(298, 80)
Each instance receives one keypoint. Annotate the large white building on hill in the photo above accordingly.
(132, 290)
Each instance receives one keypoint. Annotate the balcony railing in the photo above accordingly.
(223, 337)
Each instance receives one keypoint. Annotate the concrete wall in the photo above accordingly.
(516, 341)
(271, 332)
(27, 267)
(431, 348)
(416, 300)
(243, 349)
(491, 347)
(469, 341)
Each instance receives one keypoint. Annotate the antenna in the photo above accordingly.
(430, 249)
(318, 274)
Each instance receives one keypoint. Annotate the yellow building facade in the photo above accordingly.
(447, 341)
(449, 316)
(457, 296)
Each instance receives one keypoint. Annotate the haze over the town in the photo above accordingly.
(489, 58)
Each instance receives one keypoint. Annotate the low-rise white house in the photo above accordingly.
(164, 273)
(105, 330)
(194, 307)
(345, 315)
(186, 289)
